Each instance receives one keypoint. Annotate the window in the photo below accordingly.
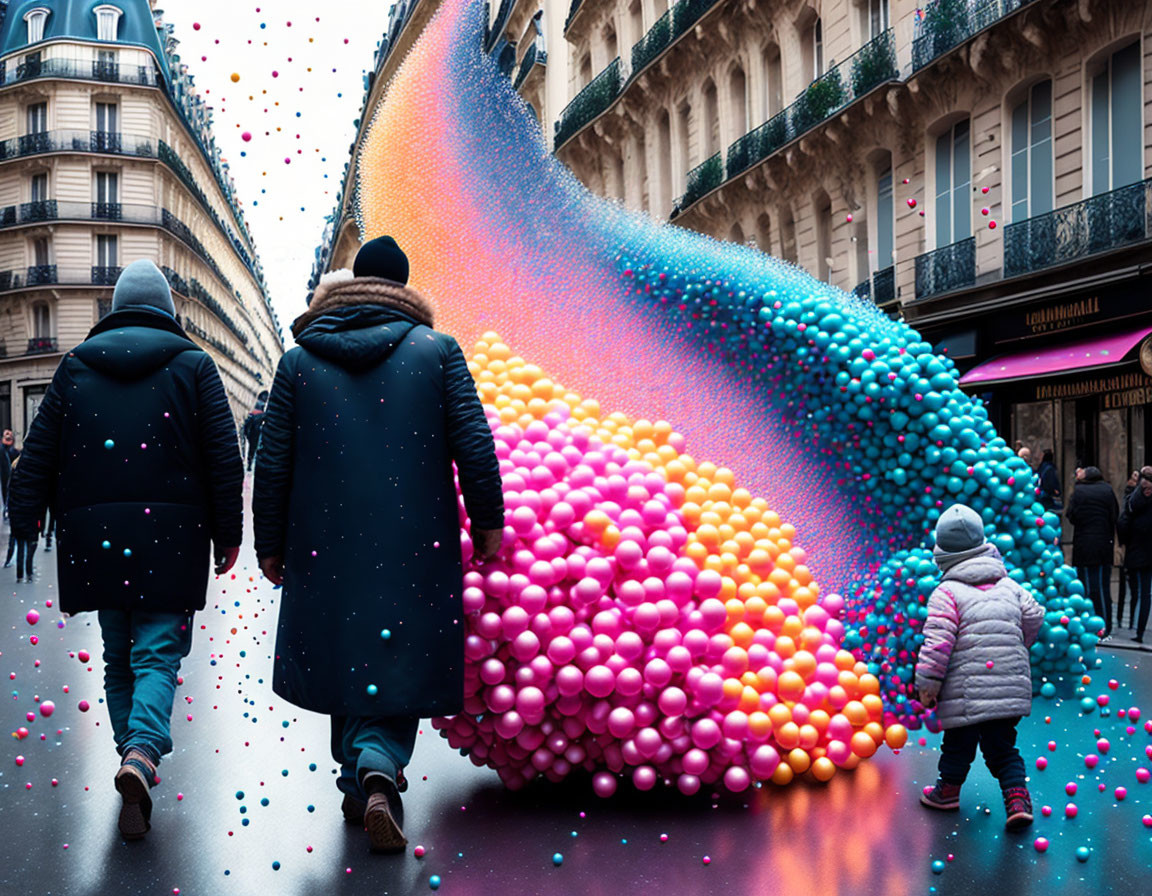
(107, 251)
(710, 138)
(1117, 125)
(736, 234)
(610, 41)
(953, 179)
(664, 161)
(585, 70)
(1032, 175)
(36, 19)
(105, 68)
(822, 204)
(636, 21)
(738, 96)
(788, 234)
(877, 22)
(37, 118)
(817, 49)
(107, 22)
(40, 252)
(106, 118)
(885, 219)
(684, 125)
(38, 187)
(773, 81)
(41, 321)
(764, 233)
(107, 188)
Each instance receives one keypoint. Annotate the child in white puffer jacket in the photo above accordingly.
(974, 665)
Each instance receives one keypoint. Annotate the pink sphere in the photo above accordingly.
(47, 708)
(604, 784)
(736, 779)
(599, 681)
(1143, 775)
(1071, 810)
(644, 777)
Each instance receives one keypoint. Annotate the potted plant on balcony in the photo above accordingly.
(874, 64)
(822, 97)
(946, 24)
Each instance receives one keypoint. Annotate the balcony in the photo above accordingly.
(536, 55)
(880, 289)
(42, 345)
(1108, 221)
(949, 23)
(77, 141)
(869, 67)
(108, 211)
(589, 103)
(41, 274)
(702, 179)
(947, 268)
(80, 69)
(40, 210)
(666, 30)
(105, 275)
(502, 13)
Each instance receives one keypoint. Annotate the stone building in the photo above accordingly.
(978, 167)
(107, 156)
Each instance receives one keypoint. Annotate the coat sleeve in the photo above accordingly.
(221, 453)
(1031, 617)
(471, 443)
(33, 484)
(274, 462)
(939, 638)
(1073, 507)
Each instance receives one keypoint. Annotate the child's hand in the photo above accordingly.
(928, 701)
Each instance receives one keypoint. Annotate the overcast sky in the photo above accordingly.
(301, 68)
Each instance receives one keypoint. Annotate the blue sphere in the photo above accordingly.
(557, 859)
(109, 444)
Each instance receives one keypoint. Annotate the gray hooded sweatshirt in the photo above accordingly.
(974, 659)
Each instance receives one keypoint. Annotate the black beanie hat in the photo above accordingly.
(381, 257)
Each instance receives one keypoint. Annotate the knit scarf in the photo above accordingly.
(947, 559)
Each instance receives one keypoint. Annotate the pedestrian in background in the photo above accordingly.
(1127, 579)
(252, 425)
(1136, 531)
(974, 666)
(356, 514)
(8, 456)
(1093, 512)
(1051, 497)
(135, 451)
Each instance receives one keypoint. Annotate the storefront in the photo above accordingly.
(1071, 372)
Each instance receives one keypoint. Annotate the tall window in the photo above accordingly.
(41, 321)
(664, 160)
(885, 219)
(877, 18)
(817, 49)
(106, 118)
(40, 252)
(107, 192)
(1032, 175)
(611, 43)
(1117, 126)
(773, 81)
(36, 19)
(37, 118)
(585, 70)
(823, 206)
(710, 138)
(636, 21)
(107, 251)
(764, 232)
(683, 128)
(107, 22)
(738, 96)
(953, 183)
(38, 184)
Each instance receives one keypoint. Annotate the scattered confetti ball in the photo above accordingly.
(1083, 853)
(938, 866)
(433, 881)
(235, 77)
(1071, 810)
(1041, 763)
(1041, 844)
(418, 852)
(275, 866)
(106, 545)
(557, 859)
(372, 690)
(32, 617)
(1143, 775)
(386, 634)
(83, 706)
(47, 708)
(707, 860)
(1121, 793)
(109, 444)
(1045, 811)
(246, 136)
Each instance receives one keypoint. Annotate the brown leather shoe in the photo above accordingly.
(136, 802)
(384, 834)
(353, 810)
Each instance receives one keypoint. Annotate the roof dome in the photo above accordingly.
(77, 19)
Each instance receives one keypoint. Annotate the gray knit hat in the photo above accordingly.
(959, 529)
(142, 284)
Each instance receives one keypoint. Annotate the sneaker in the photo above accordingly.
(353, 810)
(942, 796)
(380, 820)
(132, 783)
(1018, 808)
(1106, 639)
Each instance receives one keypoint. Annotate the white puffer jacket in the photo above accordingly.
(974, 659)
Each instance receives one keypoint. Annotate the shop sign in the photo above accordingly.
(1104, 304)
(1121, 390)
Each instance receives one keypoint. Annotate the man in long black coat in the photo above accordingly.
(1137, 533)
(356, 513)
(135, 451)
(252, 426)
(1093, 511)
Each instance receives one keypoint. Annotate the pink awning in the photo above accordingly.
(1093, 353)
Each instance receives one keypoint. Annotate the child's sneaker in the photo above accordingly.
(1018, 807)
(942, 796)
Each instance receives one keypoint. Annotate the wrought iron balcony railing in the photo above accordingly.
(880, 289)
(40, 210)
(572, 10)
(502, 13)
(704, 178)
(42, 345)
(105, 275)
(589, 102)
(869, 67)
(77, 141)
(666, 30)
(1108, 221)
(80, 69)
(947, 268)
(536, 55)
(39, 274)
(949, 23)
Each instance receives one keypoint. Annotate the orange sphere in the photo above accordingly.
(863, 745)
(799, 760)
(855, 712)
(788, 736)
(783, 774)
(790, 685)
(896, 736)
(823, 769)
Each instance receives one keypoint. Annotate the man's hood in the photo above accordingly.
(133, 344)
(356, 337)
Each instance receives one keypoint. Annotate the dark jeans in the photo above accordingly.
(997, 741)
(1127, 584)
(363, 744)
(142, 654)
(25, 551)
(1098, 585)
(1141, 598)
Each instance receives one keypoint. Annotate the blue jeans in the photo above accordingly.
(1098, 586)
(997, 741)
(363, 744)
(142, 654)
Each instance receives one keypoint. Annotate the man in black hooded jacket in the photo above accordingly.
(135, 451)
(1093, 511)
